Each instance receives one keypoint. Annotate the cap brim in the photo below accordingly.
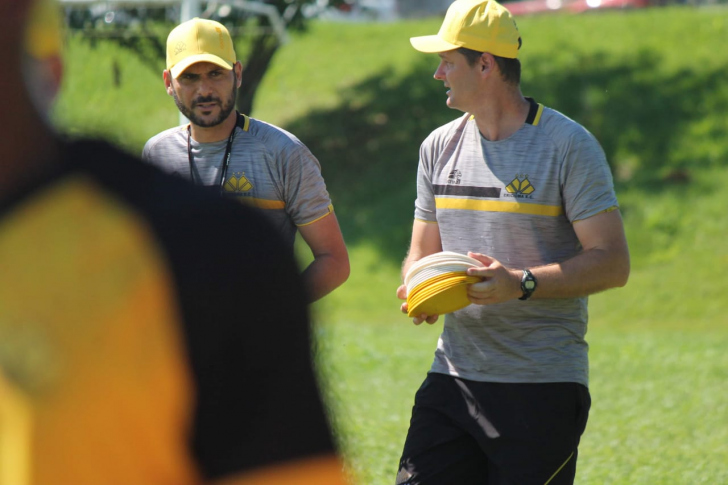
(180, 67)
(432, 44)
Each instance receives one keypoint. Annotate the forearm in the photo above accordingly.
(603, 263)
(589, 272)
(325, 273)
(425, 241)
(409, 260)
(330, 266)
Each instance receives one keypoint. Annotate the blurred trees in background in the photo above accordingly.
(258, 28)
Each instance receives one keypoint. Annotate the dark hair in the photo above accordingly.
(510, 69)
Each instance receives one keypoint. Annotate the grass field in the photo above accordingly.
(649, 84)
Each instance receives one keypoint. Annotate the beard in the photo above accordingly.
(226, 107)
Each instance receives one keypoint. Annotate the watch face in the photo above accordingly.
(529, 285)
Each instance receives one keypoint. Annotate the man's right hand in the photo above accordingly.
(402, 295)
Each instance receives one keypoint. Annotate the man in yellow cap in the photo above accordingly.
(242, 158)
(528, 193)
(131, 352)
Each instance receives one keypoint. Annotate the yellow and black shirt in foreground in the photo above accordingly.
(149, 332)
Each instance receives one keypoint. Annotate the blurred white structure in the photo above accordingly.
(422, 8)
(376, 10)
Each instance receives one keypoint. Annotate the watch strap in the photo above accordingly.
(528, 284)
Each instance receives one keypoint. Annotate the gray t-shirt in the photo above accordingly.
(515, 200)
(269, 168)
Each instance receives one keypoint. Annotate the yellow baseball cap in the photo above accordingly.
(199, 40)
(44, 32)
(483, 26)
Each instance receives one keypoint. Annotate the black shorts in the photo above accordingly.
(466, 433)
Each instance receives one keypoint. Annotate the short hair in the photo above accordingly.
(510, 69)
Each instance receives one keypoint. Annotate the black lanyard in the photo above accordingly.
(225, 158)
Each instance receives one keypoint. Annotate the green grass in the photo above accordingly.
(111, 93)
(649, 84)
(659, 414)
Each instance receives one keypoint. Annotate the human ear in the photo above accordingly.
(167, 76)
(238, 68)
(486, 62)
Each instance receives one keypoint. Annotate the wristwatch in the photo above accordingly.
(528, 284)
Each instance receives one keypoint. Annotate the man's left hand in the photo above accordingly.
(499, 282)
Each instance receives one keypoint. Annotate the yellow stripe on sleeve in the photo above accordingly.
(330, 211)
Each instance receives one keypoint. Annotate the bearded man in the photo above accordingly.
(243, 158)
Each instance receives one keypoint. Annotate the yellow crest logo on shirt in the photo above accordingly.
(520, 186)
(237, 182)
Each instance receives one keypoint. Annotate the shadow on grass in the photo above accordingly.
(647, 123)
(368, 145)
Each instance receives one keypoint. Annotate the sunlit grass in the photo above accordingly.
(650, 84)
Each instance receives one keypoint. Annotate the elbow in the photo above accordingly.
(344, 269)
(622, 272)
(338, 269)
(622, 280)
(325, 274)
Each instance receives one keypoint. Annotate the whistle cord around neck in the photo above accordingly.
(194, 176)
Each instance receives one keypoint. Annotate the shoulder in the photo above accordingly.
(562, 130)
(273, 137)
(452, 128)
(171, 135)
(168, 202)
(442, 136)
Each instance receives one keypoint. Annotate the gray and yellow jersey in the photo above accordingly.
(515, 200)
(268, 168)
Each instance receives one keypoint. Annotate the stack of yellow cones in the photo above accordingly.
(437, 284)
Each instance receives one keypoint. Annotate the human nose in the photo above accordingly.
(204, 86)
(439, 72)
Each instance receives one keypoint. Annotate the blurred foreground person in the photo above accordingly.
(242, 158)
(528, 193)
(131, 350)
